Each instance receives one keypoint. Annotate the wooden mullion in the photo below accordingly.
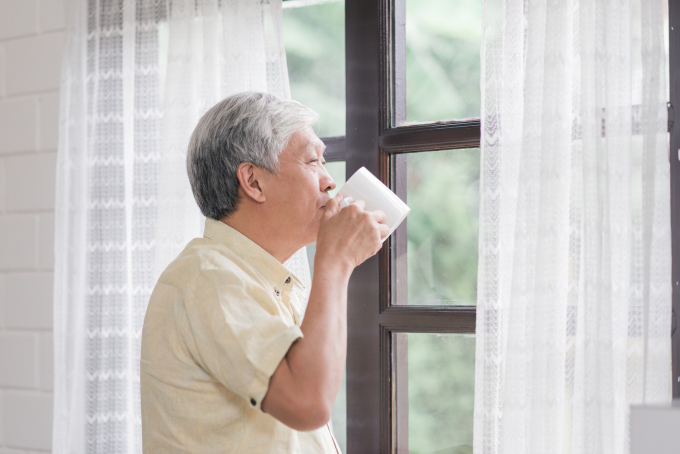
(400, 402)
(674, 80)
(387, 270)
(429, 319)
(430, 137)
(394, 388)
(396, 264)
(398, 66)
(365, 109)
(335, 148)
(385, 59)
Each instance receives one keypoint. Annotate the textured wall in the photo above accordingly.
(31, 40)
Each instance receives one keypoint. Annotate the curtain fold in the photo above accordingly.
(137, 75)
(574, 293)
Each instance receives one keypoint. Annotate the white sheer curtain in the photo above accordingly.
(137, 76)
(574, 293)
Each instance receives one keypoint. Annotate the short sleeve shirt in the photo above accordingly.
(220, 320)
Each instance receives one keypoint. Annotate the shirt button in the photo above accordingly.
(288, 280)
(252, 402)
(277, 293)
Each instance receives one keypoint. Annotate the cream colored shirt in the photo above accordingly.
(220, 320)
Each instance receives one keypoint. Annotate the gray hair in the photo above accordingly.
(248, 127)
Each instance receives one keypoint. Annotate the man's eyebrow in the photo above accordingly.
(315, 145)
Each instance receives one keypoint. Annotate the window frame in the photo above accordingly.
(674, 158)
(375, 83)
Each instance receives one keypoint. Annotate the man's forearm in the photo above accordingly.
(304, 386)
(319, 358)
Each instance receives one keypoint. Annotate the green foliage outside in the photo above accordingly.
(440, 393)
(443, 42)
(315, 51)
(443, 193)
(443, 39)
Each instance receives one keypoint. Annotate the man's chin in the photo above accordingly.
(312, 238)
(313, 232)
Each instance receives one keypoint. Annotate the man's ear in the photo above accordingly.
(249, 177)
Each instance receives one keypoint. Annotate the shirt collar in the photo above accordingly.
(251, 252)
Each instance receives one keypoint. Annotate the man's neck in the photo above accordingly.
(261, 232)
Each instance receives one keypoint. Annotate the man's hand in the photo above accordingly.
(350, 235)
(304, 385)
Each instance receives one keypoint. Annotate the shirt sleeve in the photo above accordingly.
(238, 331)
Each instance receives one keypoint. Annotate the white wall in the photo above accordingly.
(31, 40)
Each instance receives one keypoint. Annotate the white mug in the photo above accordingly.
(364, 186)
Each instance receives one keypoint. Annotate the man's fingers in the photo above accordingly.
(379, 216)
(333, 206)
(359, 203)
(384, 230)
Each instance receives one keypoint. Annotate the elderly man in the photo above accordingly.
(227, 363)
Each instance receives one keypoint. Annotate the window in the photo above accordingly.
(410, 364)
(401, 303)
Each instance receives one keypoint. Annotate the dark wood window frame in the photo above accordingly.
(376, 103)
(674, 157)
(375, 44)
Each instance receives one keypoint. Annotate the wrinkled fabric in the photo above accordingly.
(574, 282)
(136, 77)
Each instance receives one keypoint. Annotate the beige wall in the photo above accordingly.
(31, 40)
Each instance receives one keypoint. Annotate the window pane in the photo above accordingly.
(442, 228)
(314, 38)
(339, 412)
(336, 170)
(439, 398)
(443, 40)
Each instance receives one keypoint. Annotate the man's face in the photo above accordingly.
(301, 186)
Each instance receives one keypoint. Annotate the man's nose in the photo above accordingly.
(327, 183)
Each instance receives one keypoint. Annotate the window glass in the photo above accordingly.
(339, 414)
(336, 170)
(440, 392)
(442, 227)
(314, 36)
(443, 41)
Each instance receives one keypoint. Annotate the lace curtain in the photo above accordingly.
(137, 76)
(574, 293)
